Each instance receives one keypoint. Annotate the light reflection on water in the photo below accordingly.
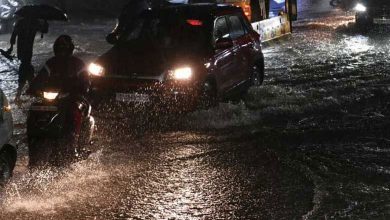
(358, 44)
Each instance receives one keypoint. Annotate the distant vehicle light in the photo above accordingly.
(95, 69)
(184, 73)
(50, 95)
(194, 22)
(7, 108)
(360, 7)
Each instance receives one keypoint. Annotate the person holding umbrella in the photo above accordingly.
(24, 32)
(33, 19)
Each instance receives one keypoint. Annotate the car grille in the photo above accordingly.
(138, 78)
(380, 12)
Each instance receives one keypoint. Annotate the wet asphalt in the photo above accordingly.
(311, 143)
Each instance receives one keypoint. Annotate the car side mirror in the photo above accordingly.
(223, 43)
(112, 38)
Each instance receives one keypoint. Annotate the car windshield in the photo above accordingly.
(169, 31)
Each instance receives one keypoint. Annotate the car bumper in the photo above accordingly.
(108, 94)
(380, 16)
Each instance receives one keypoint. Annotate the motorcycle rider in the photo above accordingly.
(69, 73)
(64, 68)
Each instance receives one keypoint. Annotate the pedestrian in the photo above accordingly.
(24, 34)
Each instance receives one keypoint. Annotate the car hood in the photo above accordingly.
(377, 3)
(145, 61)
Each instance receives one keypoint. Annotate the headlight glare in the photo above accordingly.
(50, 95)
(360, 7)
(184, 73)
(95, 69)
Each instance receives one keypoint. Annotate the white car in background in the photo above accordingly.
(7, 152)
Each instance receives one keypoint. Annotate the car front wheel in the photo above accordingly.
(363, 22)
(257, 76)
(208, 95)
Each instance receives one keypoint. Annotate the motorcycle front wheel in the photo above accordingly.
(5, 169)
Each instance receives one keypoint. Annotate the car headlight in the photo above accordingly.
(50, 95)
(7, 106)
(184, 73)
(95, 69)
(360, 7)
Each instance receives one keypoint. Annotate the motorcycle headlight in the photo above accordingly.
(95, 69)
(50, 95)
(360, 7)
(184, 73)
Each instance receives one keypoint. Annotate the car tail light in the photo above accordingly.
(194, 22)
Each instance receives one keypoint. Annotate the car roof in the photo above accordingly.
(202, 9)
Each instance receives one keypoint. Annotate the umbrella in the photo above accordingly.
(45, 12)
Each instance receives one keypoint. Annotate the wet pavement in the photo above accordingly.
(312, 142)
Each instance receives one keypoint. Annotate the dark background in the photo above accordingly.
(111, 8)
(104, 8)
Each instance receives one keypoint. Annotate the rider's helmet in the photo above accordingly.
(63, 46)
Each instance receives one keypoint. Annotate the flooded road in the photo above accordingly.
(312, 142)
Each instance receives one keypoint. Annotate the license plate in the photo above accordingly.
(381, 21)
(44, 108)
(132, 97)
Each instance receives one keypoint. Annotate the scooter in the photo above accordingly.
(60, 128)
(7, 10)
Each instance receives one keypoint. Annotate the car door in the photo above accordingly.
(223, 58)
(242, 48)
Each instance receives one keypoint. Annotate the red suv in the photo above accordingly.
(180, 57)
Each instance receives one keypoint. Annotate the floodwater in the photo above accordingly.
(312, 142)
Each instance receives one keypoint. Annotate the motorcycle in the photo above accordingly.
(7, 10)
(60, 128)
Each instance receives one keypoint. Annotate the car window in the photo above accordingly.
(167, 31)
(221, 29)
(245, 23)
(236, 28)
(133, 31)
